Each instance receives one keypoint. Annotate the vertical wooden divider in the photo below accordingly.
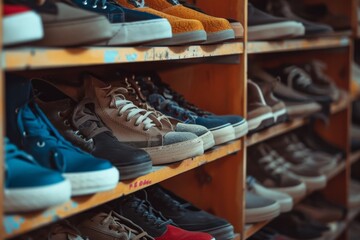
(217, 187)
(2, 132)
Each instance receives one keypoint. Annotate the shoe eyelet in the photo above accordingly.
(24, 134)
(16, 110)
(66, 123)
(94, 6)
(104, 7)
(85, 2)
(40, 144)
(60, 114)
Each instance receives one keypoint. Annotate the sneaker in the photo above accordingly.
(79, 124)
(152, 83)
(60, 20)
(285, 201)
(138, 127)
(354, 196)
(152, 221)
(260, 115)
(184, 31)
(112, 226)
(30, 29)
(29, 186)
(86, 173)
(271, 174)
(187, 216)
(259, 209)
(263, 26)
(217, 29)
(129, 26)
(282, 8)
(278, 107)
(135, 95)
(62, 230)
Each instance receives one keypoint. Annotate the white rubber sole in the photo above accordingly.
(223, 134)
(219, 36)
(208, 140)
(314, 183)
(175, 152)
(139, 32)
(93, 182)
(183, 38)
(295, 192)
(21, 28)
(286, 204)
(262, 214)
(256, 122)
(275, 30)
(279, 113)
(35, 198)
(241, 129)
(238, 29)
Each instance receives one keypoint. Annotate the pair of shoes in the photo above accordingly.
(166, 100)
(110, 108)
(264, 109)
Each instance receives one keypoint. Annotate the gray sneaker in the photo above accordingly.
(112, 226)
(259, 209)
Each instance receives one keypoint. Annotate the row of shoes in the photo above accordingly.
(275, 19)
(284, 169)
(153, 213)
(314, 218)
(287, 92)
(62, 23)
(90, 134)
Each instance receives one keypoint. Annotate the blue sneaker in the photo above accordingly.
(222, 131)
(29, 186)
(129, 26)
(86, 173)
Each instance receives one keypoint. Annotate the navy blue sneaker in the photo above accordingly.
(86, 173)
(28, 186)
(239, 124)
(129, 26)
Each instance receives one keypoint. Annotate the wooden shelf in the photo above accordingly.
(35, 58)
(297, 44)
(354, 157)
(254, 228)
(289, 126)
(20, 223)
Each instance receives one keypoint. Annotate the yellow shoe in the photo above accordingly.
(217, 29)
(184, 31)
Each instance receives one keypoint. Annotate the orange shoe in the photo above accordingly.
(217, 29)
(184, 31)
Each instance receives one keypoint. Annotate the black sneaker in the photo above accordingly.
(187, 216)
(152, 221)
(79, 124)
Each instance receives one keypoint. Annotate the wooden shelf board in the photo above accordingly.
(254, 228)
(354, 157)
(237, 236)
(20, 223)
(297, 44)
(35, 58)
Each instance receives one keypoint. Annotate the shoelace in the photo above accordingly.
(318, 67)
(271, 165)
(116, 225)
(297, 76)
(127, 107)
(66, 228)
(152, 216)
(12, 152)
(86, 121)
(137, 3)
(169, 201)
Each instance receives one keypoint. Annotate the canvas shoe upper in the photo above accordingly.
(272, 174)
(86, 173)
(135, 95)
(80, 125)
(30, 29)
(217, 29)
(259, 209)
(29, 186)
(112, 226)
(154, 82)
(187, 216)
(129, 26)
(184, 31)
(139, 127)
(152, 221)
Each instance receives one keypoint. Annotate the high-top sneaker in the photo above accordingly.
(80, 125)
(139, 127)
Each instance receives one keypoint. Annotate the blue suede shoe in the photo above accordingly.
(221, 130)
(86, 173)
(29, 186)
(129, 26)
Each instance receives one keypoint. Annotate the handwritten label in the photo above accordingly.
(139, 184)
